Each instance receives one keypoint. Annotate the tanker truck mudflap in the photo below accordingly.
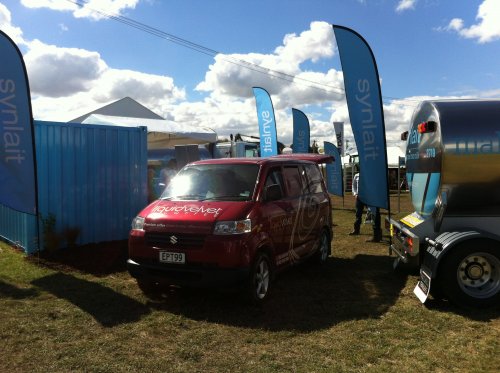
(431, 257)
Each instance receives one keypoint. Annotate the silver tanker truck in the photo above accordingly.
(453, 172)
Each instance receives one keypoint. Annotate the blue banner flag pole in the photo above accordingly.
(18, 184)
(334, 181)
(364, 102)
(301, 132)
(267, 123)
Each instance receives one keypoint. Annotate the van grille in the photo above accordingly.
(175, 240)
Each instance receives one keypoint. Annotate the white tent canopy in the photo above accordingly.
(161, 133)
(393, 155)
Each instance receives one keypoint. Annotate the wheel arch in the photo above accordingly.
(445, 242)
(267, 249)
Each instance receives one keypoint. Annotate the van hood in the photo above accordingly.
(191, 216)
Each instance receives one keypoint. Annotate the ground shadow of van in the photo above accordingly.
(108, 307)
(308, 298)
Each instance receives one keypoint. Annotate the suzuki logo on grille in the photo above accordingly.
(173, 240)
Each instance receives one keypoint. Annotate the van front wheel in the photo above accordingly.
(149, 288)
(260, 278)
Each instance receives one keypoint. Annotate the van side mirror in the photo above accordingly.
(273, 193)
(404, 136)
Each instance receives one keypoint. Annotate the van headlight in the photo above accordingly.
(138, 222)
(233, 227)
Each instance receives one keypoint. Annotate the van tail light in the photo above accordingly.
(425, 127)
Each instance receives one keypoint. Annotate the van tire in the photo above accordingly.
(470, 274)
(324, 250)
(149, 288)
(259, 281)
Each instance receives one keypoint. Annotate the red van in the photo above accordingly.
(233, 221)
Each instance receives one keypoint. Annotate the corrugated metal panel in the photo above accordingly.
(93, 178)
(19, 228)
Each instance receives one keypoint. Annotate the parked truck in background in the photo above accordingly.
(453, 172)
(236, 149)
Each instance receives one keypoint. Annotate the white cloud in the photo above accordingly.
(156, 92)
(94, 9)
(488, 27)
(228, 81)
(230, 75)
(15, 33)
(58, 72)
(405, 5)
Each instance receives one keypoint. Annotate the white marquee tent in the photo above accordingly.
(161, 133)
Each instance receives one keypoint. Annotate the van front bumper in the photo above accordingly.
(190, 276)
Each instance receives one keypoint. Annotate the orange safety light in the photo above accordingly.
(425, 127)
(409, 243)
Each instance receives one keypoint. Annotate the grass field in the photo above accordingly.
(82, 312)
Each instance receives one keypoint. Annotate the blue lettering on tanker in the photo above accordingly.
(472, 145)
(414, 138)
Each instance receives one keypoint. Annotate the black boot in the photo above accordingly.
(377, 236)
(355, 231)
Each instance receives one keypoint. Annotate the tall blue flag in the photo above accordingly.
(301, 132)
(334, 180)
(267, 124)
(17, 161)
(364, 102)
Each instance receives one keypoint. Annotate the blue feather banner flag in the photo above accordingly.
(334, 181)
(301, 132)
(18, 189)
(364, 102)
(267, 123)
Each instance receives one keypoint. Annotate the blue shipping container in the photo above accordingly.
(91, 178)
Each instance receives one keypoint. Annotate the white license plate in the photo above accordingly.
(169, 257)
(423, 287)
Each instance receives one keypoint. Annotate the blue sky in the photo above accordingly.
(78, 61)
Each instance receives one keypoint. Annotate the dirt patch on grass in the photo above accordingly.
(99, 259)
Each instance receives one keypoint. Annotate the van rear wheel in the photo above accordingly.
(260, 279)
(324, 249)
(471, 274)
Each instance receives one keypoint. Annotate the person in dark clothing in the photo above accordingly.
(360, 205)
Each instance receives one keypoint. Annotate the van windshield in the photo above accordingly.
(224, 182)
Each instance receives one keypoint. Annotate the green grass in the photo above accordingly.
(352, 315)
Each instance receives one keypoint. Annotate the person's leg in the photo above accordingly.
(359, 213)
(369, 216)
(377, 231)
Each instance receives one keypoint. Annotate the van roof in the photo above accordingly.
(310, 157)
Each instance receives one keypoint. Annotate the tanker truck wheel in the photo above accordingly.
(470, 274)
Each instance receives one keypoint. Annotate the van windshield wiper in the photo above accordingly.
(225, 196)
(183, 197)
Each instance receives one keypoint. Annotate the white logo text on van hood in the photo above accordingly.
(186, 209)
